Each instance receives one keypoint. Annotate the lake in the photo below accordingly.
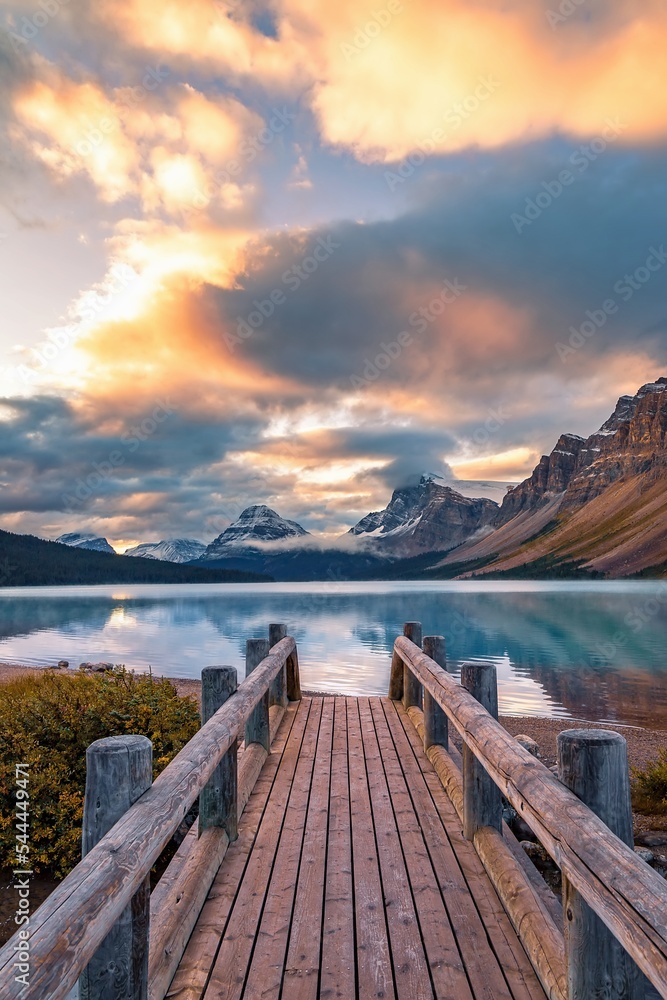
(586, 650)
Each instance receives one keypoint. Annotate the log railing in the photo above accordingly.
(615, 905)
(95, 925)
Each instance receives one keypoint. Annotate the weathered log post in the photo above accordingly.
(593, 763)
(218, 797)
(278, 694)
(436, 728)
(257, 727)
(293, 676)
(412, 689)
(396, 677)
(119, 770)
(482, 801)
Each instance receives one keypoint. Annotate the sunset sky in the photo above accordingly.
(298, 252)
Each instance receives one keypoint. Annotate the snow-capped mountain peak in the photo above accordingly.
(430, 516)
(176, 550)
(82, 540)
(256, 525)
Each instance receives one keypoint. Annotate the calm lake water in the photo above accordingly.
(573, 649)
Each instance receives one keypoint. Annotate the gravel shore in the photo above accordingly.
(643, 744)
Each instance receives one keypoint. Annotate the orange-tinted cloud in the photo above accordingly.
(165, 145)
(435, 75)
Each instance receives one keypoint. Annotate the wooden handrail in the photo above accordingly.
(626, 894)
(66, 931)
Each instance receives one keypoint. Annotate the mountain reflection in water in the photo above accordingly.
(587, 650)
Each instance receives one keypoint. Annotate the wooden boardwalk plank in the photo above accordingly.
(484, 971)
(351, 878)
(302, 968)
(411, 972)
(231, 963)
(374, 969)
(192, 974)
(444, 958)
(337, 976)
(265, 975)
(513, 974)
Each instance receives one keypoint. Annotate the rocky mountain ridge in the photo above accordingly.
(629, 442)
(176, 550)
(598, 503)
(82, 540)
(257, 525)
(427, 517)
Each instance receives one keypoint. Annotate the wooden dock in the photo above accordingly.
(351, 877)
(345, 848)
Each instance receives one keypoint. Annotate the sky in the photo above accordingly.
(298, 253)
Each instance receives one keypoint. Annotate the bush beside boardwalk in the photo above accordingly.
(47, 720)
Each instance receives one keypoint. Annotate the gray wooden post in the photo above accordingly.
(436, 727)
(293, 677)
(119, 770)
(412, 689)
(593, 763)
(218, 797)
(396, 677)
(482, 801)
(257, 726)
(278, 694)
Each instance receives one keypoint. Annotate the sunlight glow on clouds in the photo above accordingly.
(162, 136)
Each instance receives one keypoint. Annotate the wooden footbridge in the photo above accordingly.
(345, 849)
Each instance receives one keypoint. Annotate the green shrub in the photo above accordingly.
(47, 722)
(649, 787)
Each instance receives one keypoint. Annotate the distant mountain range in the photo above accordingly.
(77, 540)
(176, 550)
(26, 561)
(593, 507)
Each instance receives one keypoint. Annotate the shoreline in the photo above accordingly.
(644, 743)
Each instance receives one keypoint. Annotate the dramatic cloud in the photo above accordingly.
(321, 249)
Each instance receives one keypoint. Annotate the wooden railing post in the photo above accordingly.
(593, 763)
(119, 770)
(436, 728)
(218, 798)
(293, 676)
(482, 800)
(396, 677)
(412, 689)
(278, 694)
(257, 726)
